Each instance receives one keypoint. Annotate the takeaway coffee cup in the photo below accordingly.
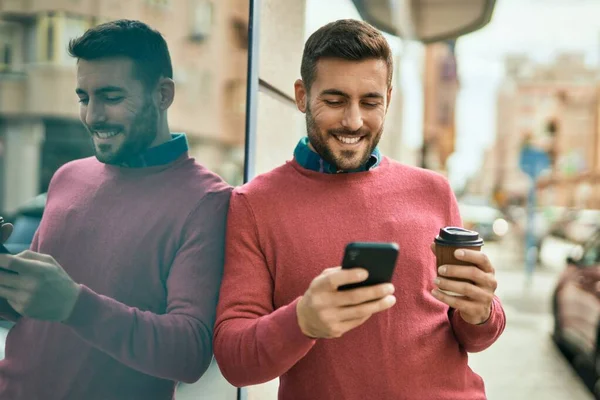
(448, 241)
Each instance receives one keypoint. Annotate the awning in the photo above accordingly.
(427, 21)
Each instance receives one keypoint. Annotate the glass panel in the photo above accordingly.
(40, 126)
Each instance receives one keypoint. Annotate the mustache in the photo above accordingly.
(103, 127)
(347, 132)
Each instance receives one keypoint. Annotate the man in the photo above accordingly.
(117, 297)
(280, 313)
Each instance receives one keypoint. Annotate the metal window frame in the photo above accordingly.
(251, 107)
(252, 90)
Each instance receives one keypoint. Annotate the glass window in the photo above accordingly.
(202, 20)
(11, 35)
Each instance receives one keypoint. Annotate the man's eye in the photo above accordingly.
(83, 101)
(333, 103)
(114, 99)
(372, 105)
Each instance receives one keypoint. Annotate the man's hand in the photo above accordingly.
(476, 305)
(325, 312)
(36, 286)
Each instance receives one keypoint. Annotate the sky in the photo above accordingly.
(539, 28)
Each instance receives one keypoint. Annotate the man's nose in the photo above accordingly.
(353, 119)
(95, 114)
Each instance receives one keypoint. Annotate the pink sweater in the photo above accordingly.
(288, 225)
(147, 246)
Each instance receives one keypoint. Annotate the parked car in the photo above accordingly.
(26, 221)
(483, 218)
(576, 309)
(566, 236)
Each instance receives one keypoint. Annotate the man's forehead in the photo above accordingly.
(364, 75)
(105, 71)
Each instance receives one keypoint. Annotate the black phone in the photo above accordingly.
(377, 258)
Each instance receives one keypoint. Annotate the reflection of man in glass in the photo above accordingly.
(280, 313)
(117, 297)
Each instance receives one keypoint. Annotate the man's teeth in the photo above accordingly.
(106, 134)
(348, 140)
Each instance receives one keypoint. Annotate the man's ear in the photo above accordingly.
(389, 98)
(166, 93)
(301, 95)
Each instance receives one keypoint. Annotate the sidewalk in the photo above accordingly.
(524, 363)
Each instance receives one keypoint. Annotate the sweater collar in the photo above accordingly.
(311, 160)
(162, 154)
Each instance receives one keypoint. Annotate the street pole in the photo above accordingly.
(533, 162)
(530, 245)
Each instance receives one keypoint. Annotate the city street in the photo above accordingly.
(524, 363)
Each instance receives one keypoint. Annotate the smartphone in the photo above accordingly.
(377, 258)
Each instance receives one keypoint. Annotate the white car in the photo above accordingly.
(487, 220)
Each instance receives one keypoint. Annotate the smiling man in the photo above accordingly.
(117, 297)
(280, 312)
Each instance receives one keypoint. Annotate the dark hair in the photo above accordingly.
(347, 39)
(127, 38)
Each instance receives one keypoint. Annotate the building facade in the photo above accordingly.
(441, 86)
(554, 107)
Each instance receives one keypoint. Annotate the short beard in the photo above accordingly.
(319, 143)
(142, 133)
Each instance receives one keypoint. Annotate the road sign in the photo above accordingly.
(533, 161)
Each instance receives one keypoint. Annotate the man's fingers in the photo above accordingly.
(13, 280)
(331, 281)
(328, 271)
(471, 273)
(32, 255)
(19, 264)
(458, 303)
(363, 295)
(8, 293)
(366, 309)
(464, 305)
(475, 257)
(466, 289)
(5, 232)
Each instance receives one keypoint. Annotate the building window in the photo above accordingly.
(7, 56)
(45, 37)
(235, 96)
(202, 20)
(73, 27)
(11, 36)
(159, 3)
(55, 30)
(240, 33)
(50, 41)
